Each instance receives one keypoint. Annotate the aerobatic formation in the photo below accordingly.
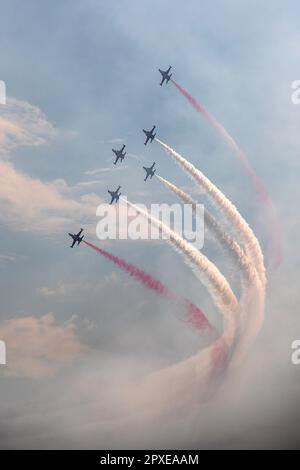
(243, 311)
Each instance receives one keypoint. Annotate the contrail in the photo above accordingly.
(250, 241)
(252, 300)
(211, 363)
(226, 241)
(273, 225)
(190, 379)
(193, 315)
(208, 273)
(252, 306)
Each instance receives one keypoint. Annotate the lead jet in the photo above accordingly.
(119, 154)
(76, 237)
(149, 171)
(150, 135)
(115, 195)
(165, 75)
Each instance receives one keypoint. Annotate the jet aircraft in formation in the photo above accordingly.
(149, 135)
(149, 171)
(120, 155)
(166, 75)
(76, 237)
(115, 195)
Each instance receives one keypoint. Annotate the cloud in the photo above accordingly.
(38, 347)
(104, 170)
(117, 140)
(49, 292)
(75, 290)
(28, 204)
(23, 124)
(7, 258)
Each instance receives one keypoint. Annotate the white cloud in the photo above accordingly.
(38, 347)
(28, 204)
(104, 170)
(22, 124)
(7, 259)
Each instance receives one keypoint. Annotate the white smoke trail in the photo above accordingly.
(253, 299)
(226, 241)
(208, 273)
(250, 241)
(272, 221)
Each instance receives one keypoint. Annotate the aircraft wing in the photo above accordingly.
(79, 233)
(169, 69)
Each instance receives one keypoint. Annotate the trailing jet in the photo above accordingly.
(76, 237)
(165, 75)
(150, 172)
(119, 154)
(150, 135)
(115, 195)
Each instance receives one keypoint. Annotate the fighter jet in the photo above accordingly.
(165, 75)
(149, 171)
(119, 154)
(76, 237)
(115, 195)
(150, 135)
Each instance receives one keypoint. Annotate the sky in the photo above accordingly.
(81, 78)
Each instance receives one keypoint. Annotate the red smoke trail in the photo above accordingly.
(193, 315)
(273, 225)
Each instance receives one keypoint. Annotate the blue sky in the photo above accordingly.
(81, 75)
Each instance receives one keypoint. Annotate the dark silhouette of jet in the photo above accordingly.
(165, 75)
(115, 195)
(149, 171)
(149, 134)
(76, 237)
(119, 154)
